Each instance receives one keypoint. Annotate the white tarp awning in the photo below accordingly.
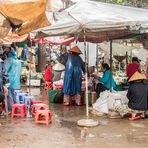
(120, 49)
(140, 53)
(100, 20)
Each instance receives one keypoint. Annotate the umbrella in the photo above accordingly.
(105, 22)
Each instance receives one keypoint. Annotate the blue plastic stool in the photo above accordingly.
(28, 99)
(16, 92)
(20, 98)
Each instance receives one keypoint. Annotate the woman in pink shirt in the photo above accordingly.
(133, 67)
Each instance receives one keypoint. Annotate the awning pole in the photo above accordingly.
(86, 74)
(30, 70)
(111, 65)
(97, 57)
(86, 122)
(87, 55)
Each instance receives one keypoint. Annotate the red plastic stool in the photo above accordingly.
(18, 110)
(32, 102)
(40, 106)
(43, 116)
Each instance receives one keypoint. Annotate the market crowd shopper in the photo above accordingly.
(73, 76)
(138, 97)
(13, 69)
(146, 66)
(104, 81)
(133, 67)
(48, 73)
(3, 82)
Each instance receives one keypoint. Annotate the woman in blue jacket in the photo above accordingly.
(105, 80)
(73, 77)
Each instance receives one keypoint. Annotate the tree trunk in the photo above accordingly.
(41, 58)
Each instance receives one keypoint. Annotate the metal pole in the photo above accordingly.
(88, 53)
(126, 58)
(97, 51)
(30, 69)
(86, 75)
(111, 65)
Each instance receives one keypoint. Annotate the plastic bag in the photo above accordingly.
(109, 100)
(101, 106)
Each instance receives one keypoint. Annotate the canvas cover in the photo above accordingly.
(11, 37)
(25, 12)
(140, 53)
(55, 40)
(120, 49)
(4, 26)
(101, 21)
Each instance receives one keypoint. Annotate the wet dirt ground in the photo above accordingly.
(63, 132)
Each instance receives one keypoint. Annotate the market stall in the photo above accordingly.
(98, 25)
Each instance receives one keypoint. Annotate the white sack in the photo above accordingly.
(107, 101)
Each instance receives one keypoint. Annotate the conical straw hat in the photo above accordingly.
(58, 67)
(137, 76)
(75, 49)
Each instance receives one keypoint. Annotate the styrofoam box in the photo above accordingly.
(34, 82)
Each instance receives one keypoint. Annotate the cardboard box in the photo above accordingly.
(34, 82)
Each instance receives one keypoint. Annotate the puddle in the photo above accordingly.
(103, 122)
(110, 136)
(90, 136)
(72, 126)
(137, 125)
(68, 124)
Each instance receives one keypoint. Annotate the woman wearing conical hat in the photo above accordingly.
(137, 96)
(73, 76)
(58, 70)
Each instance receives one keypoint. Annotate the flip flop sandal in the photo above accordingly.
(66, 104)
(78, 104)
(134, 118)
(142, 116)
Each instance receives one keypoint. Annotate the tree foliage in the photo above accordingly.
(134, 3)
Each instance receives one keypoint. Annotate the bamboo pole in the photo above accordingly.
(111, 65)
